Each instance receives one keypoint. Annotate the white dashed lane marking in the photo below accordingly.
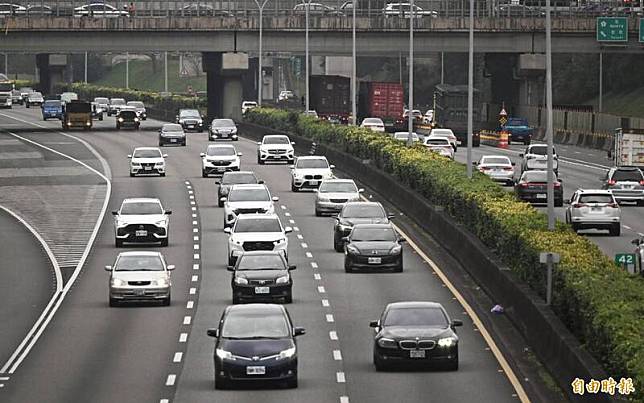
(195, 266)
(314, 265)
(304, 245)
(309, 255)
(183, 337)
(287, 214)
(299, 236)
(195, 278)
(333, 335)
(296, 229)
(317, 276)
(193, 291)
(339, 377)
(170, 380)
(325, 303)
(329, 318)
(321, 289)
(177, 356)
(196, 256)
(190, 304)
(337, 355)
(344, 399)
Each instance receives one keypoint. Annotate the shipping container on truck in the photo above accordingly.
(330, 96)
(629, 147)
(450, 111)
(381, 100)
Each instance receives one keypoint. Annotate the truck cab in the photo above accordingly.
(6, 88)
(77, 114)
(518, 130)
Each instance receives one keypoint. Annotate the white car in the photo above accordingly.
(248, 105)
(68, 97)
(402, 10)
(147, 161)
(594, 209)
(309, 172)
(139, 108)
(140, 276)
(247, 199)
(535, 158)
(99, 10)
(374, 124)
(311, 113)
(429, 116)
(256, 232)
(333, 194)
(220, 158)
(275, 147)
(285, 95)
(498, 167)
(440, 145)
(403, 136)
(446, 133)
(141, 220)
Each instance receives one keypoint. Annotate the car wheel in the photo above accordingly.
(575, 227)
(615, 230)
(290, 162)
(378, 363)
(452, 365)
(559, 203)
(100, 117)
(131, 174)
(337, 245)
(526, 142)
(204, 175)
(183, 144)
(27, 105)
(118, 127)
(236, 300)
(288, 299)
(166, 301)
(221, 383)
(347, 266)
(113, 302)
(45, 119)
(118, 243)
(640, 203)
(165, 241)
(294, 188)
(318, 213)
(220, 203)
(399, 269)
(260, 161)
(292, 383)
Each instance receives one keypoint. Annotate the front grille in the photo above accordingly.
(190, 122)
(147, 164)
(258, 245)
(221, 163)
(339, 200)
(138, 283)
(408, 344)
(261, 282)
(276, 151)
(250, 211)
(426, 344)
(312, 176)
(417, 345)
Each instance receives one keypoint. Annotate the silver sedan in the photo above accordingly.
(333, 194)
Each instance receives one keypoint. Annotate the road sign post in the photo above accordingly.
(626, 261)
(549, 259)
(612, 29)
(641, 30)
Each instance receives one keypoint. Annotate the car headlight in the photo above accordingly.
(224, 355)
(352, 250)
(160, 223)
(162, 282)
(446, 342)
(241, 280)
(117, 282)
(136, 165)
(387, 343)
(297, 175)
(136, 119)
(234, 130)
(120, 119)
(396, 250)
(344, 227)
(288, 353)
(200, 123)
(159, 164)
(235, 245)
(282, 280)
(120, 223)
(323, 198)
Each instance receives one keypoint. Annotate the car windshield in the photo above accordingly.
(141, 208)
(260, 194)
(223, 123)
(517, 122)
(52, 103)
(172, 127)
(535, 176)
(495, 160)
(236, 178)
(373, 234)
(255, 325)
(101, 100)
(139, 263)
(35, 95)
(261, 262)
(223, 151)
(276, 140)
(258, 225)
(117, 101)
(312, 163)
(372, 121)
(541, 150)
(431, 317)
(127, 114)
(136, 104)
(147, 154)
(338, 187)
(189, 113)
(595, 198)
(361, 211)
(623, 175)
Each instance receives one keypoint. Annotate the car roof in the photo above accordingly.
(414, 304)
(258, 216)
(374, 226)
(275, 135)
(250, 186)
(140, 253)
(496, 156)
(147, 148)
(312, 157)
(141, 200)
(595, 191)
(362, 203)
(627, 168)
(221, 146)
(337, 180)
(255, 308)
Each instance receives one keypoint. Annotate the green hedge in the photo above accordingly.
(601, 304)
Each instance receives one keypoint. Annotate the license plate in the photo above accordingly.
(147, 168)
(221, 169)
(255, 370)
(191, 126)
(313, 183)
(173, 140)
(595, 209)
(417, 354)
(374, 260)
(225, 135)
(139, 292)
(541, 196)
(141, 232)
(262, 290)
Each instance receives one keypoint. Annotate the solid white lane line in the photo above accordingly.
(304, 245)
(170, 380)
(317, 276)
(190, 304)
(195, 278)
(314, 265)
(183, 337)
(339, 377)
(177, 356)
(333, 335)
(337, 355)
(321, 289)
(195, 266)
(193, 291)
(329, 318)
(196, 256)
(187, 320)
(325, 303)
(309, 255)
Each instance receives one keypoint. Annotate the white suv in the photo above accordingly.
(594, 209)
(247, 199)
(309, 172)
(535, 158)
(275, 147)
(219, 158)
(146, 161)
(141, 220)
(256, 232)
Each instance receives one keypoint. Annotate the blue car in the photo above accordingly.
(519, 130)
(52, 109)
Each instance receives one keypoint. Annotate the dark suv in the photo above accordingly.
(626, 184)
(127, 119)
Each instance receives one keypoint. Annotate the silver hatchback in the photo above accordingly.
(333, 194)
(594, 209)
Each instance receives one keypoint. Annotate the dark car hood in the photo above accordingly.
(261, 274)
(380, 246)
(399, 332)
(255, 347)
(354, 221)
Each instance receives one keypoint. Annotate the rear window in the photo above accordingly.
(595, 198)
(496, 160)
(517, 122)
(630, 175)
(535, 176)
(230, 178)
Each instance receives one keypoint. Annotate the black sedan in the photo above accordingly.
(261, 276)
(172, 133)
(415, 333)
(127, 119)
(373, 246)
(231, 178)
(533, 187)
(255, 342)
(357, 213)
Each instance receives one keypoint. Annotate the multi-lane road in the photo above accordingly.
(82, 350)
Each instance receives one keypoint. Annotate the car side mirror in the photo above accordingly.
(230, 268)
(560, 180)
(291, 166)
(374, 323)
(168, 212)
(288, 230)
(170, 267)
(336, 216)
(474, 163)
(391, 216)
(259, 143)
(521, 155)
(566, 201)
(331, 166)
(275, 198)
(292, 143)
(514, 164)
(217, 183)
(227, 230)
(212, 332)
(292, 267)
(239, 154)
(456, 322)
(108, 268)
(345, 239)
(129, 155)
(636, 241)
(298, 331)
(361, 190)
(165, 155)
(402, 239)
(223, 199)
(115, 212)
(202, 154)
(260, 182)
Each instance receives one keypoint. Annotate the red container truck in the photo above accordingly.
(381, 100)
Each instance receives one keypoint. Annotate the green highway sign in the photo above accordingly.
(626, 260)
(612, 29)
(641, 29)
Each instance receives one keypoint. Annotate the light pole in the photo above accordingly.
(601, 79)
(6, 65)
(306, 57)
(551, 177)
(127, 70)
(354, 116)
(165, 71)
(85, 67)
(410, 139)
(259, 74)
(470, 92)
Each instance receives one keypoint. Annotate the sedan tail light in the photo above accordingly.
(642, 182)
(507, 169)
(612, 205)
(611, 182)
(579, 205)
(557, 184)
(523, 185)
(484, 168)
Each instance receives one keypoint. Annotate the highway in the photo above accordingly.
(90, 352)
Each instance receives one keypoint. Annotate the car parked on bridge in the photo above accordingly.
(285, 95)
(127, 118)
(315, 9)
(403, 10)
(498, 167)
(373, 247)
(255, 343)
(415, 333)
(11, 9)
(141, 219)
(262, 276)
(190, 120)
(139, 107)
(203, 10)
(309, 171)
(102, 10)
(34, 99)
(222, 129)
(533, 185)
(333, 194)
(115, 106)
(39, 9)
(626, 183)
(172, 133)
(247, 199)
(256, 232)
(594, 209)
(231, 178)
(354, 213)
(147, 161)
(140, 276)
(220, 158)
(518, 10)
(373, 124)
(535, 158)
(275, 147)
(52, 109)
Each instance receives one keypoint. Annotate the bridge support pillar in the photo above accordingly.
(224, 83)
(531, 70)
(51, 71)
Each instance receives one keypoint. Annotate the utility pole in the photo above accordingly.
(127, 70)
(410, 139)
(601, 80)
(551, 175)
(308, 5)
(354, 111)
(165, 71)
(85, 67)
(470, 92)
(260, 67)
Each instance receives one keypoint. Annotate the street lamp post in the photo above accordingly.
(259, 74)
(470, 92)
(165, 71)
(410, 139)
(127, 70)
(551, 178)
(354, 116)
(85, 67)
(306, 57)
